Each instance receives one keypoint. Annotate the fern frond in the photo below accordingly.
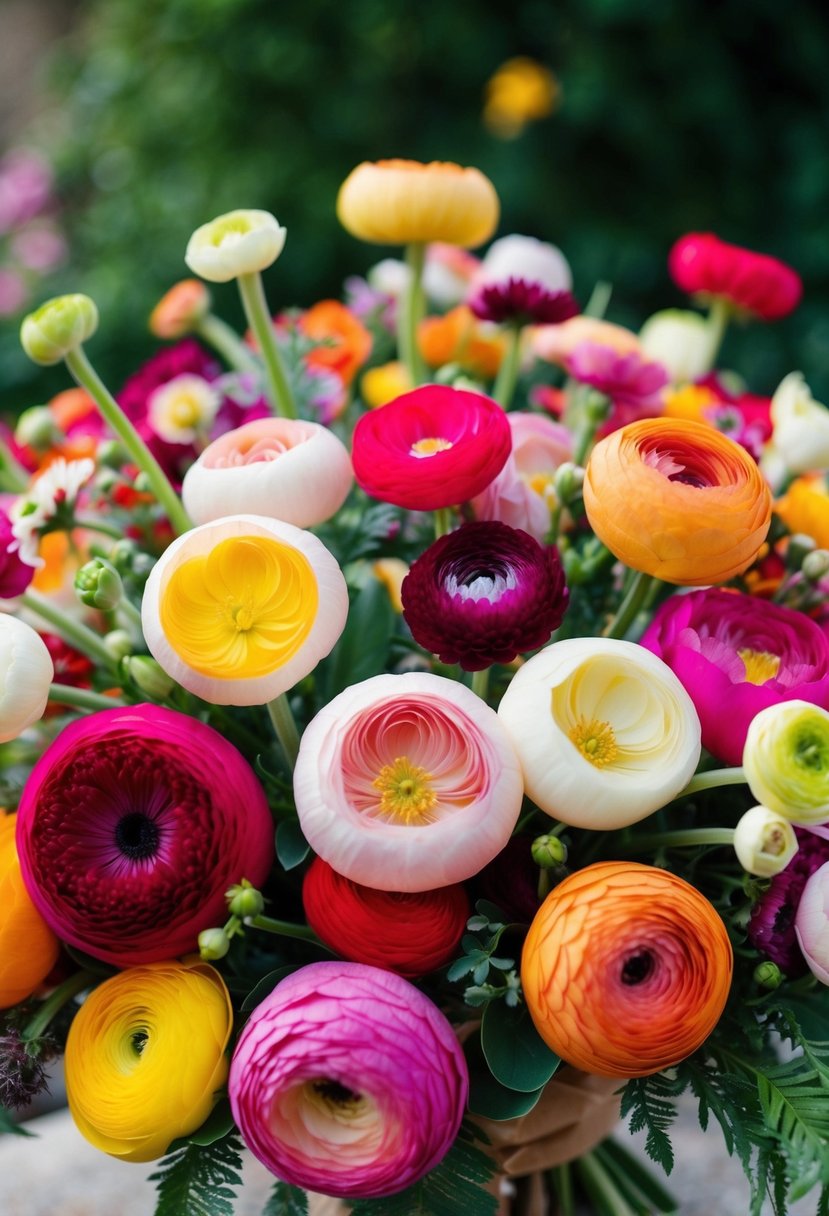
(286, 1200)
(649, 1102)
(199, 1180)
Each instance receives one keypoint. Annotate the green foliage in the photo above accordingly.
(650, 1103)
(291, 846)
(199, 1180)
(479, 956)
(363, 648)
(8, 1125)
(516, 1054)
(286, 1200)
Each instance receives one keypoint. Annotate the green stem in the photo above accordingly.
(685, 838)
(480, 682)
(283, 928)
(719, 315)
(602, 1188)
(252, 291)
(713, 779)
(285, 727)
(128, 611)
(443, 522)
(410, 311)
(86, 376)
(507, 377)
(596, 306)
(93, 524)
(74, 632)
(561, 1177)
(55, 1002)
(13, 477)
(82, 698)
(218, 334)
(630, 606)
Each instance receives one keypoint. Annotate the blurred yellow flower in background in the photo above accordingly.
(520, 91)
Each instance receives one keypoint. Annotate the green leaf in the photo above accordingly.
(286, 1200)
(632, 1176)
(648, 1101)
(216, 1126)
(516, 1054)
(363, 647)
(8, 1125)
(266, 986)
(493, 1100)
(199, 1180)
(291, 846)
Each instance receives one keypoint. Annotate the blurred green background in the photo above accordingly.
(673, 115)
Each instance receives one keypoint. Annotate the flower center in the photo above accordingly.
(637, 967)
(137, 836)
(480, 584)
(185, 410)
(428, 447)
(406, 792)
(595, 740)
(760, 665)
(810, 751)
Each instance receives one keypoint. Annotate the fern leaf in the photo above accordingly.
(286, 1200)
(199, 1180)
(648, 1101)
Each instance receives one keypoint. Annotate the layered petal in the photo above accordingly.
(786, 760)
(28, 947)
(701, 263)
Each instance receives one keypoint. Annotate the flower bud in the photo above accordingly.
(213, 943)
(36, 429)
(180, 310)
(764, 842)
(148, 676)
(568, 481)
(680, 341)
(768, 975)
(548, 851)
(244, 900)
(815, 565)
(98, 585)
(119, 644)
(58, 327)
(110, 454)
(240, 242)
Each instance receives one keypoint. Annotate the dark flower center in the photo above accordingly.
(637, 968)
(333, 1091)
(137, 836)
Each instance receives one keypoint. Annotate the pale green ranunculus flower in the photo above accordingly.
(58, 327)
(786, 760)
(240, 242)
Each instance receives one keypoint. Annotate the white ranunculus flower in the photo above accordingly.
(605, 732)
(786, 760)
(680, 341)
(524, 257)
(240, 242)
(800, 434)
(26, 673)
(764, 842)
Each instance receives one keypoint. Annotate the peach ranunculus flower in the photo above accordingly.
(398, 202)
(626, 969)
(28, 947)
(459, 337)
(555, 343)
(180, 310)
(345, 341)
(284, 468)
(145, 1057)
(677, 500)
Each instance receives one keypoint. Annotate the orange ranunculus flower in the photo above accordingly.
(805, 508)
(626, 969)
(179, 310)
(677, 499)
(347, 341)
(395, 202)
(28, 947)
(459, 337)
(72, 406)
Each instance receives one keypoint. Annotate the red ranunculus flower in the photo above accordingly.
(755, 282)
(409, 932)
(434, 447)
(132, 826)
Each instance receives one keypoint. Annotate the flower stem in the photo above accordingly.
(86, 376)
(596, 306)
(55, 1002)
(285, 727)
(602, 1189)
(410, 312)
(681, 839)
(561, 1178)
(713, 779)
(82, 698)
(719, 314)
(92, 524)
(218, 334)
(480, 682)
(252, 291)
(13, 477)
(630, 606)
(74, 632)
(283, 928)
(127, 609)
(507, 377)
(443, 522)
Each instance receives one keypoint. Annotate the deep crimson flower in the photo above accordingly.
(15, 575)
(522, 301)
(771, 928)
(434, 447)
(71, 666)
(410, 932)
(755, 282)
(132, 826)
(483, 594)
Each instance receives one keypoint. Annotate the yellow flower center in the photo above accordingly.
(428, 447)
(543, 484)
(229, 226)
(242, 610)
(185, 411)
(760, 665)
(595, 740)
(336, 1101)
(406, 794)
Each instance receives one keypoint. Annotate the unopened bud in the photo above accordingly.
(110, 454)
(244, 900)
(147, 675)
(815, 565)
(768, 975)
(58, 327)
(118, 643)
(764, 842)
(98, 585)
(548, 851)
(213, 944)
(597, 407)
(568, 481)
(36, 428)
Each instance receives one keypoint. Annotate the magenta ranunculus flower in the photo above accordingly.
(434, 447)
(132, 826)
(347, 1080)
(735, 655)
(634, 385)
(483, 594)
(522, 301)
(15, 575)
(773, 917)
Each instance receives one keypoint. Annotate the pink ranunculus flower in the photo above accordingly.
(522, 494)
(735, 655)
(634, 385)
(132, 825)
(407, 783)
(347, 1080)
(812, 923)
(702, 264)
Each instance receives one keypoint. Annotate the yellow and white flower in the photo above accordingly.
(764, 842)
(183, 409)
(786, 760)
(240, 242)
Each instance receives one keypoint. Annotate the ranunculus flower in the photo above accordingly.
(28, 947)
(26, 673)
(458, 337)
(634, 385)
(604, 731)
(800, 429)
(555, 343)
(349, 1081)
(523, 493)
(407, 783)
(483, 594)
(739, 651)
(521, 90)
(772, 924)
(58, 327)
(434, 447)
(395, 202)
(180, 310)
(812, 924)
(805, 508)
(409, 932)
(240, 242)
(786, 760)
(680, 341)
(345, 344)
(626, 969)
(15, 574)
(701, 264)
(523, 280)
(183, 409)
(743, 417)
(131, 827)
(764, 842)
(145, 1057)
(241, 609)
(283, 468)
(677, 500)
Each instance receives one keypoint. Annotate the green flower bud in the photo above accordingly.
(58, 327)
(568, 481)
(244, 900)
(36, 428)
(110, 454)
(213, 944)
(548, 851)
(597, 407)
(768, 975)
(148, 676)
(98, 585)
(815, 565)
(119, 644)
(798, 547)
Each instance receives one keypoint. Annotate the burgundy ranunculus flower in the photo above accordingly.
(759, 284)
(524, 302)
(132, 826)
(15, 575)
(483, 594)
(434, 447)
(772, 925)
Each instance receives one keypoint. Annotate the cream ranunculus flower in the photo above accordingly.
(681, 341)
(786, 760)
(240, 242)
(764, 842)
(26, 674)
(800, 434)
(605, 732)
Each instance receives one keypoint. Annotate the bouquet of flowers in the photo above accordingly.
(404, 781)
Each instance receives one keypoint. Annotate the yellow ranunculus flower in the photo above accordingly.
(383, 384)
(521, 91)
(145, 1057)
